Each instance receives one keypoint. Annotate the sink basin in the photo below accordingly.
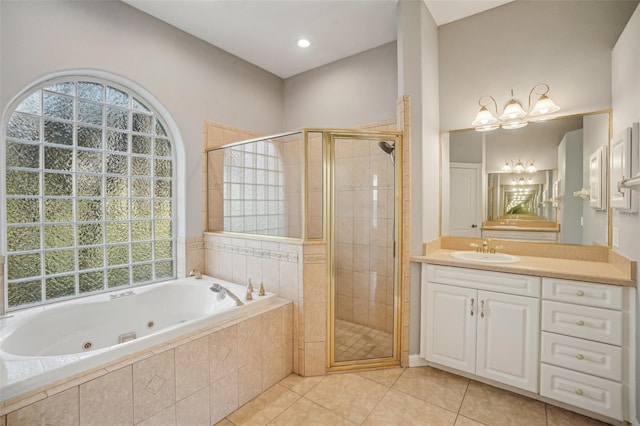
(474, 256)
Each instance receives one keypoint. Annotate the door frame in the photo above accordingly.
(446, 223)
(329, 147)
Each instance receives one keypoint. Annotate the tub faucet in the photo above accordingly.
(195, 272)
(222, 293)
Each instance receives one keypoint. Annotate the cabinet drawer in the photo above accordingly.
(582, 355)
(598, 295)
(584, 391)
(601, 325)
(523, 285)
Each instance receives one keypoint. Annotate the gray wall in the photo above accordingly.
(357, 90)
(418, 78)
(566, 44)
(626, 110)
(192, 79)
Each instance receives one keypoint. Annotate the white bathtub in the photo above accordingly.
(46, 344)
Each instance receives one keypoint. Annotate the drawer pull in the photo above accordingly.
(579, 392)
(580, 323)
(580, 293)
(580, 356)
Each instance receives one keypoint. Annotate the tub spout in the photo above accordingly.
(195, 273)
(222, 293)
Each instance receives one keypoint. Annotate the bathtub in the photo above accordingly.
(43, 345)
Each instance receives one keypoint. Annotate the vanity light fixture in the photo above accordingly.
(529, 167)
(304, 43)
(514, 116)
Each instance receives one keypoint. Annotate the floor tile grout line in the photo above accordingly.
(376, 406)
(464, 395)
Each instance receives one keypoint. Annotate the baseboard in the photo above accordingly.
(417, 361)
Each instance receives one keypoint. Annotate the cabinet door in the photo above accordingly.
(508, 334)
(450, 326)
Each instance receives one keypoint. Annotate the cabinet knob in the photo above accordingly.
(579, 391)
(580, 323)
(580, 356)
(580, 293)
(472, 301)
(482, 309)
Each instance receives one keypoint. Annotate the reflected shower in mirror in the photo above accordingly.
(487, 194)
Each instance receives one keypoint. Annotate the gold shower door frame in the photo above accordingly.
(329, 214)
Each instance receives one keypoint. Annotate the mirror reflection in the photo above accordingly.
(532, 183)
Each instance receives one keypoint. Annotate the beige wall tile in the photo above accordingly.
(223, 397)
(249, 341)
(315, 359)
(271, 329)
(287, 358)
(192, 367)
(315, 282)
(271, 368)
(223, 353)
(315, 322)
(249, 381)
(289, 280)
(62, 409)
(166, 417)
(108, 400)
(154, 385)
(194, 410)
(271, 275)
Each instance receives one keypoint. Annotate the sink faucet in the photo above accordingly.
(484, 247)
(222, 293)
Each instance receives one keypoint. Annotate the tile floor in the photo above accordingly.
(396, 396)
(354, 341)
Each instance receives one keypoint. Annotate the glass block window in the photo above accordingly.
(254, 189)
(88, 193)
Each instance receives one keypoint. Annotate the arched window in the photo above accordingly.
(88, 194)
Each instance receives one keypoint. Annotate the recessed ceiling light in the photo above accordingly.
(304, 43)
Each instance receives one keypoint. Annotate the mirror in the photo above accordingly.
(482, 198)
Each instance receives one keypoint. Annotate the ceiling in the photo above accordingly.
(264, 32)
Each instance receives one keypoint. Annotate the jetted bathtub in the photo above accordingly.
(49, 343)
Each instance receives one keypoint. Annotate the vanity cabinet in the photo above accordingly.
(483, 323)
(581, 345)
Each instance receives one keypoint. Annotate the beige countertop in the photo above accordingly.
(519, 228)
(582, 270)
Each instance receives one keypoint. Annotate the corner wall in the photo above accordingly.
(625, 88)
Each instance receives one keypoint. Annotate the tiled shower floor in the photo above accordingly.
(355, 341)
(396, 396)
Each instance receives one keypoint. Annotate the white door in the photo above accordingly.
(450, 326)
(465, 199)
(508, 332)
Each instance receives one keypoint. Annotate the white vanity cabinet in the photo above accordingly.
(481, 322)
(581, 349)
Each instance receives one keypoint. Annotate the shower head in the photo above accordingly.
(386, 147)
(389, 149)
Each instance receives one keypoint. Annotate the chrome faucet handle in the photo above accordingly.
(249, 286)
(262, 291)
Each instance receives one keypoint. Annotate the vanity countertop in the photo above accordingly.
(519, 228)
(581, 270)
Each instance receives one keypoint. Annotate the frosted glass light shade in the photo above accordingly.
(506, 167)
(544, 106)
(513, 111)
(484, 117)
(519, 167)
(487, 128)
(514, 124)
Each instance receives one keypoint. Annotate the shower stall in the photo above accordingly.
(340, 188)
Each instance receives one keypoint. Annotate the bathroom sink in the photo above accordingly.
(475, 256)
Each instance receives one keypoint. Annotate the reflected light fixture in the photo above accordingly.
(514, 116)
(508, 166)
(304, 43)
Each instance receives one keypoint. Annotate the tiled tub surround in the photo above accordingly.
(45, 344)
(196, 379)
(294, 270)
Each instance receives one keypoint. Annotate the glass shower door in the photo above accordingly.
(362, 244)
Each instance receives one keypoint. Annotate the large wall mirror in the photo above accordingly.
(543, 182)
